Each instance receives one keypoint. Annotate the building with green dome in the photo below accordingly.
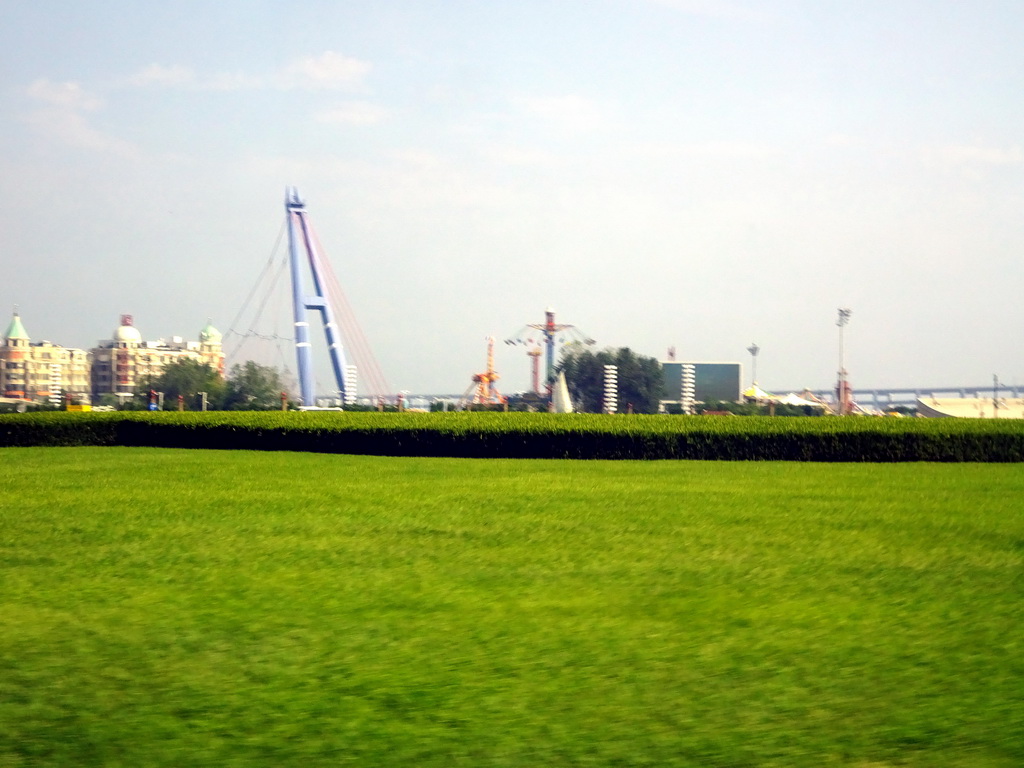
(45, 372)
(125, 362)
(40, 371)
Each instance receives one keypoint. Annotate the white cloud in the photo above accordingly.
(719, 9)
(157, 74)
(569, 113)
(964, 154)
(328, 70)
(721, 149)
(230, 81)
(352, 113)
(506, 155)
(59, 115)
(843, 140)
(177, 76)
(728, 149)
(67, 95)
(72, 129)
(417, 159)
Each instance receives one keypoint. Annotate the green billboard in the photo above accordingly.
(704, 381)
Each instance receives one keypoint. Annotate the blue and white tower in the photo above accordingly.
(299, 240)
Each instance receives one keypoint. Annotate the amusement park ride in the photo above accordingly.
(483, 390)
(551, 334)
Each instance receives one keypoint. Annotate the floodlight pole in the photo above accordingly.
(842, 391)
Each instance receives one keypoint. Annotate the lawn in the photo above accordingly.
(171, 608)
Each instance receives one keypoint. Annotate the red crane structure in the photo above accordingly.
(534, 353)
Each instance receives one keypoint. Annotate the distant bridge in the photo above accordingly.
(882, 397)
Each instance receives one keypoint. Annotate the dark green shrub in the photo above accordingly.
(534, 435)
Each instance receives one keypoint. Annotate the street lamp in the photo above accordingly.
(843, 386)
(753, 349)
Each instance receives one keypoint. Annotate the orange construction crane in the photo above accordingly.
(483, 390)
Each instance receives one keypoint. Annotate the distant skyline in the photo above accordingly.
(663, 173)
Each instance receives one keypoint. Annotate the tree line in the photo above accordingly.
(640, 379)
(248, 387)
(641, 386)
(253, 387)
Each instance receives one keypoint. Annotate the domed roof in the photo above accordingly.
(16, 330)
(210, 335)
(126, 332)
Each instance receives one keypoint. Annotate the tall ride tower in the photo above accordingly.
(553, 333)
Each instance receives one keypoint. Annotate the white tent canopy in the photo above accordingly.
(560, 396)
(754, 392)
(795, 399)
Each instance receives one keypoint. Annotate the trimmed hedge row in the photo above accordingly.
(537, 435)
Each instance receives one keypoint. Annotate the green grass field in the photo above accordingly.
(172, 608)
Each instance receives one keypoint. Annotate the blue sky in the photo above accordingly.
(683, 173)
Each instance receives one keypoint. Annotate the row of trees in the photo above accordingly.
(640, 379)
(248, 387)
(641, 386)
